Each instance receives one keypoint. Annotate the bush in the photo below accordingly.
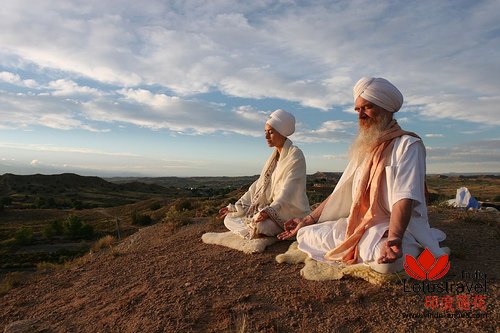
(23, 236)
(53, 229)
(141, 219)
(183, 204)
(155, 206)
(6, 201)
(178, 218)
(74, 228)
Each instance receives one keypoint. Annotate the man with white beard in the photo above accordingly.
(377, 211)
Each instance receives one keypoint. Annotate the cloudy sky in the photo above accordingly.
(183, 88)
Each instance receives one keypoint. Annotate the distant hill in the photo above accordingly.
(70, 190)
(189, 182)
(215, 182)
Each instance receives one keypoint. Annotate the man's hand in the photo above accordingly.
(262, 216)
(222, 213)
(291, 228)
(391, 251)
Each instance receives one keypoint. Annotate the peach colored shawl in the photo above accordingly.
(367, 209)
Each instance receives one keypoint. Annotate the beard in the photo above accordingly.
(370, 129)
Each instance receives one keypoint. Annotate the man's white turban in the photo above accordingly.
(380, 92)
(282, 121)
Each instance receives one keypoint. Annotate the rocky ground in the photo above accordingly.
(164, 279)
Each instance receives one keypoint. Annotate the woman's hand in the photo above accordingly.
(262, 216)
(222, 213)
(291, 228)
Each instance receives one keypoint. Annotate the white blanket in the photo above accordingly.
(318, 271)
(233, 241)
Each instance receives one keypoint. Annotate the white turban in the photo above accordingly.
(282, 121)
(380, 92)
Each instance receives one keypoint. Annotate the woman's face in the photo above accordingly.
(273, 137)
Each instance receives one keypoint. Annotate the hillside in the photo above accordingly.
(164, 279)
(74, 191)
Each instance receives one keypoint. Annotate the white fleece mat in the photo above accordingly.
(318, 271)
(233, 241)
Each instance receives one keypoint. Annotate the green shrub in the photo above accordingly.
(86, 231)
(141, 219)
(53, 229)
(6, 201)
(178, 218)
(23, 236)
(155, 206)
(74, 228)
(48, 232)
(183, 204)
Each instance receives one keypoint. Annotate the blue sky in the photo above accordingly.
(183, 88)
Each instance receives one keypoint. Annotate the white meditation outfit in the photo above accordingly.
(404, 179)
(284, 198)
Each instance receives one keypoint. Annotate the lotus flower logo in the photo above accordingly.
(427, 266)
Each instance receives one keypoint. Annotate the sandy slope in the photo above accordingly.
(164, 280)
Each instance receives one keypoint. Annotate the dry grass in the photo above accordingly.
(11, 280)
(107, 242)
(50, 266)
(239, 324)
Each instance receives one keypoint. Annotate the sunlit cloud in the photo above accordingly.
(68, 88)
(206, 68)
(329, 131)
(62, 149)
(478, 151)
(16, 80)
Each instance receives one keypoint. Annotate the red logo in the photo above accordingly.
(427, 266)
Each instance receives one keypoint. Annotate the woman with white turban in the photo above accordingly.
(280, 192)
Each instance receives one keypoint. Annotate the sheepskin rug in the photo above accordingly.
(233, 241)
(318, 271)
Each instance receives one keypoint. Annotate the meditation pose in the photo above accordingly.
(280, 192)
(377, 211)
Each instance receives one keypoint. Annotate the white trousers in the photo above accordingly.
(316, 240)
(237, 225)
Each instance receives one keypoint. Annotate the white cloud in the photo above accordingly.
(431, 135)
(476, 151)
(63, 87)
(328, 131)
(143, 108)
(16, 80)
(64, 149)
(341, 157)
(309, 53)
(24, 110)
(92, 66)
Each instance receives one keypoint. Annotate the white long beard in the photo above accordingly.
(367, 138)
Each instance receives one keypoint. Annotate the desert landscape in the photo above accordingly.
(85, 254)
